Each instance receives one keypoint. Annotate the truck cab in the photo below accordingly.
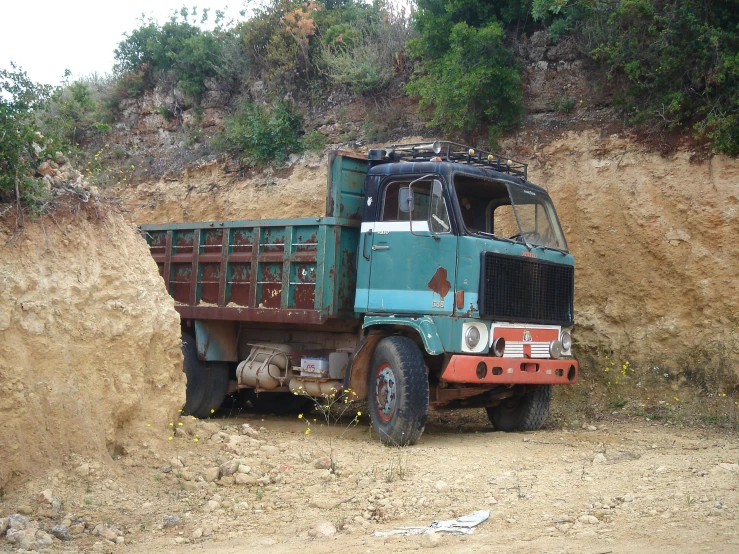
(458, 246)
(438, 278)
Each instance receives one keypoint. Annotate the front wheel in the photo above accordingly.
(527, 412)
(398, 391)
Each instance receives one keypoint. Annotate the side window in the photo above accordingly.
(504, 221)
(395, 205)
(439, 220)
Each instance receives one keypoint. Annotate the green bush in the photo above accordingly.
(475, 81)
(679, 59)
(179, 49)
(22, 146)
(260, 135)
(365, 56)
(315, 141)
(564, 103)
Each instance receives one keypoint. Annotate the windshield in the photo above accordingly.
(509, 212)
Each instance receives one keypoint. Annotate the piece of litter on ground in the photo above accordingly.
(461, 526)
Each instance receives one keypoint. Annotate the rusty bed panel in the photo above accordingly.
(279, 271)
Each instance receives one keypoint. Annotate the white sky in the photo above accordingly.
(46, 37)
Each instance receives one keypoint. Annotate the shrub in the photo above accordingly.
(475, 81)
(178, 48)
(678, 59)
(365, 56)
(564, 103)
(315, 141)
(260, 135)
(21, 143)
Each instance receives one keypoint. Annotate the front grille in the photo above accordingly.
(520, 289)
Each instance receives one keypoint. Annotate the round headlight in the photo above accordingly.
(555, 349)
(472, 337)
(499, 347)
(566, 340)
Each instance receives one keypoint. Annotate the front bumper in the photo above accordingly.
(482, 370)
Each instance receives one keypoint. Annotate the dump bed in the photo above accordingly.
(278, 271)
(295, 270)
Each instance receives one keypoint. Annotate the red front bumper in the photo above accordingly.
(464, 368)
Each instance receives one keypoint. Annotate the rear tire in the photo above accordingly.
(522, 413)
(196, 374)
(207, 382)
(398, 391)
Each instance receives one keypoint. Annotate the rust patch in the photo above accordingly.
(439, 282)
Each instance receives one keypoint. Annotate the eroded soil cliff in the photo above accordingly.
(89, 344)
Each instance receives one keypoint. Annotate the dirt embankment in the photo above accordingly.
(89, 345)
(654, 237)
(655, 243)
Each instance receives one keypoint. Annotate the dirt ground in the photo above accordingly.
(626, 485)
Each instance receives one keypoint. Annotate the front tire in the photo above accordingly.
(527, 412)
(398, 391)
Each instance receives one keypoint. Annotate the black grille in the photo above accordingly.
(521, 289)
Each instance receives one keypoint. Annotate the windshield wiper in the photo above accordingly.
(563, 252)
(505, 239)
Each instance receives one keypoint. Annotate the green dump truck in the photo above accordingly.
(438, 278)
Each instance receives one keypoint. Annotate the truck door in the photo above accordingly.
(414, 252)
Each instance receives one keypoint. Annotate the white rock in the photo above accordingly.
(212, 474)
(322, 529)
(212, 505)
(45, 497)
(198, 533)
(599, 458)
(249, 431)
(441, 486)
(589, 520)
(230, 467)
(244, 469)
(43, 540)
(662, 469)
(592, 428)
(731, 468)
(430, 540)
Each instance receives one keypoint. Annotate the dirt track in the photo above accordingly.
(629, 486)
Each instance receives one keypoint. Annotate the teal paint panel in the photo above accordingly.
(345, 193)
(413, 301)
(408, 263)
(425, 327)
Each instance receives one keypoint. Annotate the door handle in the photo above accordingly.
(375, 247)
(364, 245)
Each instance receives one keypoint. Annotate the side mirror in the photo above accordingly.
(405, 199)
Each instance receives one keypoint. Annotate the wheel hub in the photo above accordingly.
(385, 392)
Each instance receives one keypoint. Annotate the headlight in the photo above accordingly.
(555, 349)
(472, 337)
(499, 347)
(566, 339)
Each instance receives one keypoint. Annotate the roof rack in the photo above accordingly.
(445, 151)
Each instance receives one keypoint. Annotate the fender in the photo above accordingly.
(424, 326)
(216, 340)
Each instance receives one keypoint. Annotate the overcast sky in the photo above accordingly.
(46, 37)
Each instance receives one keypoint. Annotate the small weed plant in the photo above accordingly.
(333, 407)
